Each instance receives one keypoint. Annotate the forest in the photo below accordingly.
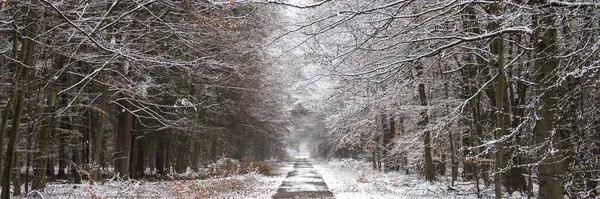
(499, 95)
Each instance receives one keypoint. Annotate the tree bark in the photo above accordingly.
(500, 91)
(160, 153)
(391, 164)
(14, 135)
(44, 136)
(514, 178)
(197, 155)
(62, 153)
(27, 51)
(551, 169)
(429, 168)
(17, 174)
(182, 151)
(139, 163)
(99, 134)
(123, 141)
(133, 158)
(76, 144)
(14, 90)
(213, 150)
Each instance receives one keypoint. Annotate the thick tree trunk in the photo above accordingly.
(44, 136)
(76, 148)
(99, 134)
(551, 169)
(123, 141)
(17, 175)
(62, 154)
(378, 154)
(240, 149)
(514, 178)
(50, 171)
(198, 148)
(27, 57)
(429, 168)
(267, 149)
(29, 156)
(139, 163)
(168, 153)
(391, 164)
(500, 91)
(375, 157)
(182, 151)
(262, 148)
(213, 150)
(14, 137)
(453, 162)
(160, 153)
(14, 90)
(133, 156)
(133, 152)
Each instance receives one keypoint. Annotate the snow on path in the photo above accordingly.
(303, 182)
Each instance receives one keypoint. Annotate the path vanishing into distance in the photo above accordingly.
(303, 182)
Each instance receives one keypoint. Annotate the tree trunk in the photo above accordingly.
(160, 153)
(196, 156)
(240, 149)
(99, 134)
(76, 149)
(182, 151)
(28, 155)
(514, 178)
(44, 136)
(17, 174)
(27, 51)
(429, 168)
(551, 169)
(62, 153)
(133, 158)
(168, 153)
(213, 150)
(390, 161)
(14, 90)
(14, 137)
(375, 153)
(139, 163)
(124, 139)
(500, 91)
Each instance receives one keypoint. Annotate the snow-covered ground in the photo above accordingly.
(345, 178)
(348, 178)
(252, 185)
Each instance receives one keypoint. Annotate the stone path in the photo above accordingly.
(303, 182)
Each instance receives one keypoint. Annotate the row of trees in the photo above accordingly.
(504, 91)
(132, 85)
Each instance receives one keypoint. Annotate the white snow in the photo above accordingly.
(252, 185)
(348, 178)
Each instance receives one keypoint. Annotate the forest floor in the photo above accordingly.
(231, 185)
(236, 186)
(339, 178)
(348, 178)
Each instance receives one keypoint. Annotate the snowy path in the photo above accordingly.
(303, 182)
